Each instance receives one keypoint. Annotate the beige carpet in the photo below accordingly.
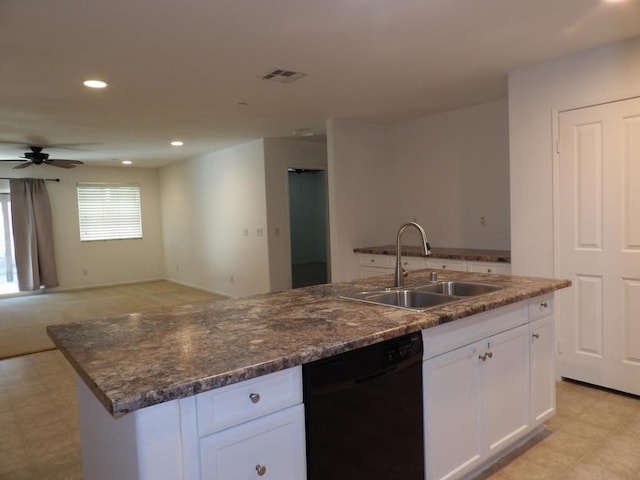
(23, 319)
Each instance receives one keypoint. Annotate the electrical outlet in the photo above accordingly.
(85, 272)
(245, 232)
(483, 221)
(260, 232)
(231, 279)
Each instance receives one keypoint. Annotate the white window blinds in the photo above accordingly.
(109, 211)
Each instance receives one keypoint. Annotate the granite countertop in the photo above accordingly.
(501, 256)
(136, 360)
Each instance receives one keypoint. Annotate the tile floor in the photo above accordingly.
(594, 436)
(40, 436)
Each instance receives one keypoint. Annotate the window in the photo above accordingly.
(8, 276)
(109, 211)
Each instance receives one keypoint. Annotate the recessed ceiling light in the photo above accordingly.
(126, 162)
(94, 83)
(177, 143)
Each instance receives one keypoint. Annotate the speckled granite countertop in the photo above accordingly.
(137, 360)
(502, 256)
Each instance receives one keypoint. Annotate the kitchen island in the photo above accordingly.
(149, 370)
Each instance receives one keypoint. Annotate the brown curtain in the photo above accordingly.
(32, 234)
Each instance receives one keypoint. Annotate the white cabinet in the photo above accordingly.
(488, 381)
(253, 429)
(489, 267)
(452, 398)
(542, 338)
(374, 265)
(505, 388)
(476, 402)
(447, 264)
(270, 447)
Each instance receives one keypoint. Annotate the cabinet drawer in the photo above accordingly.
(271, 447)
(382, 261)
(540, 306)
(489, 267)
(413, 263)
(237, 403)
(446, 264)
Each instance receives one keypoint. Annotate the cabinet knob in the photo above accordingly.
(544, 304)
(444, 267)
(536, 336)
(488, 270)
(254, 397)
(261, 469)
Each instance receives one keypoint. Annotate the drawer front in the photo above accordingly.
(234, 404)
(272, 447)
(540, 306)
(382, 261)
(446, 264)
(465, 331)
(413, 263)
(489, 267)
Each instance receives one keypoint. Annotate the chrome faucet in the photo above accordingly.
(400, 272)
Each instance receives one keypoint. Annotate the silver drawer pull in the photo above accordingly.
(261, 469)
(485, 356)
(254, 397)
(544, 304)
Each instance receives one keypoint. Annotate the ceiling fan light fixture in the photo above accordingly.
(94, 84)
(177, 143)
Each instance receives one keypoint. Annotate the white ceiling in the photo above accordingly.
(180, 68)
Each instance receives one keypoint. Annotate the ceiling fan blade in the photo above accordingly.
(22, 165)
(62, 163)
(75, 162)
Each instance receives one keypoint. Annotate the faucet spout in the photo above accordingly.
(400, 273)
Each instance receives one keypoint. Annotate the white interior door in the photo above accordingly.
(599, 244)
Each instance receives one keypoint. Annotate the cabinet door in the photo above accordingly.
(543, 382)
(451, 384)
(506, 387)
(270, 447)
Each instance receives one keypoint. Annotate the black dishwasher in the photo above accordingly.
(363, 413)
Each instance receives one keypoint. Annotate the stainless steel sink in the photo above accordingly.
(409, 299)
(423, 297)
(459, 289)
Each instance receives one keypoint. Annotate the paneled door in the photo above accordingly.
(599, 244)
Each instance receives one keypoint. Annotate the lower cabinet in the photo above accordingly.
(272, 446)
(476, 402)
(543, 382)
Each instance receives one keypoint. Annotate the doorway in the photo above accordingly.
(308, 226)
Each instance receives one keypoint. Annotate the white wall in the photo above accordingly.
(207, 204)
(280, 154)
(446, 170)
(453, 169)
(359, 157)
(105, 262)
(536, 94)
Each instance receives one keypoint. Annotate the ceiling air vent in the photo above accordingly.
(283, 76)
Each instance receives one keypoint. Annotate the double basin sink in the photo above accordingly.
(423, 297)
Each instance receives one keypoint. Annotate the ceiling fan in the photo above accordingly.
(37, 157)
